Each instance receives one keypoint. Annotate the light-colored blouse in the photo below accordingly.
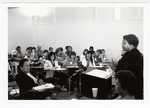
(88, 63)
(48, 65)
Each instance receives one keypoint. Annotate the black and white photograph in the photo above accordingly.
(80, 52)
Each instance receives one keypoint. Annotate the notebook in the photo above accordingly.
(99, 73)
(43, 87)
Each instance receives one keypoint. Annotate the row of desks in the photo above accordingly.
(88, 82)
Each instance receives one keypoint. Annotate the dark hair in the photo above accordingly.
(57, 50)
(18, 47)
(100, 51)
(27, 48)
(88, 52)
(33, 48)
(22, 61)
(131, 39)
(66, 47)
(72, 53)
(30, 48)
(50, 54)
(127, 81)
(91, 47)
(61, 48)
(45, 51)
(78, 57)
(103, 50)
(50, 48)
(84, 51)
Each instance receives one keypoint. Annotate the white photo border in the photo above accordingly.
(64, 103)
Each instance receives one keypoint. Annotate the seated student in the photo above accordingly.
(72, 59)
(28, 54)
(42, 61)
(50, 49)
(126, 84)
(44, 57)
(88, 61)
(14, 53)
(26, 81)
(91, 50)
(50, 64)
(84, 54)
(68, 59)
(68, 50)
(78, 61)
(60, 56)
(98, 57)
(104, 57)
(39, 51)
(34, 56)
(28, 50)
(19, 54)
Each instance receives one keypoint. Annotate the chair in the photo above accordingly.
(14, 67)
(12, 86)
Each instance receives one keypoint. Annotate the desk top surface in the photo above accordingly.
(58, 69)
(72, 66)
(101, 73)
(37, 67)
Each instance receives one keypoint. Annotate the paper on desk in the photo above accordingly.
(43, 87)
(99, 73)
(72, 66)
(14, 91)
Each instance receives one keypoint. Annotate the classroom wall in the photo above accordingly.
(80, 35)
